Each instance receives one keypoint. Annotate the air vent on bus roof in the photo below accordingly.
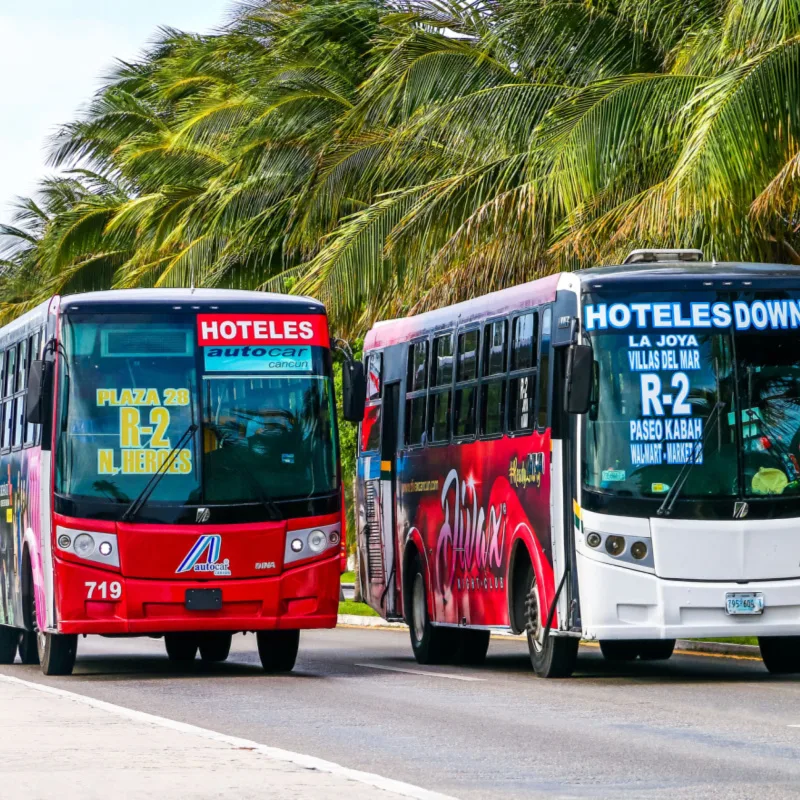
(658, 256)
(153, 342)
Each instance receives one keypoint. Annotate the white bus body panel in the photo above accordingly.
(684, 597)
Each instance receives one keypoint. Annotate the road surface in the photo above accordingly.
(693, 727)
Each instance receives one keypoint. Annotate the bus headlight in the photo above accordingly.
(317, 541)
(334, 537)
(615, 545)
(297, 545)
(593, 539)
(639, 550)
(105, 549)
(84, 545)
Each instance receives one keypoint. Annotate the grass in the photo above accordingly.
(359, 609)
(733, 640)
(348, 577)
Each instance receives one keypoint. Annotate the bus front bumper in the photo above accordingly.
(619, 603)
(300, 598)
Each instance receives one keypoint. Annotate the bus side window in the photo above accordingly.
(493, 385)
(33, 355)
(416, 385)
(466, 384)
(11, 371)
(543, 407)
(8, 423)
(522, 383)
(371, 424)
(441, 395)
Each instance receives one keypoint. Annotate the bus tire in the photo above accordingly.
(430, 644)
(557, 655)
(181, 647)
(215, 647)
(9, 639)
(780, 654)
(28, 651)
(472, 647)
(620, 649)
(656, 649)
(57, 652)
(278, 649)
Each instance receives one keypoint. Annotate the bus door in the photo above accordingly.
(388, 453)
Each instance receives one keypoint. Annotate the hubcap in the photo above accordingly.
(418, 607)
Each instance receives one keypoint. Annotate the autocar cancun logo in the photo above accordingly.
(209, 546)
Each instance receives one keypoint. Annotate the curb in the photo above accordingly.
(717, 648)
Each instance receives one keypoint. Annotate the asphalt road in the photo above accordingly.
(693, 727)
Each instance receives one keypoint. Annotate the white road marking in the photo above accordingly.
(423, 672)
(302, 760)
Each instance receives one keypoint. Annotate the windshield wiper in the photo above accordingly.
(136, 506)
(665, 509)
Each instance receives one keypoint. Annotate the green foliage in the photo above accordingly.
(388, 156)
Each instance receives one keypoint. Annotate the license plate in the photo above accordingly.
(744, 603)
(204, 599)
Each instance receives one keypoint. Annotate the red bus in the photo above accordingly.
(611, 454)
(168, 467)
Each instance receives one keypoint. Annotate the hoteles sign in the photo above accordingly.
(220, 330)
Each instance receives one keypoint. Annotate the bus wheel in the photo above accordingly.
(9, 638)
(620, 650)
(656, 649)
(472, 647)
(57, 652)
(181, 647)
(215, 646)
(278, 649)
(554, 657)
(781, 654)
(431, 645)
(28, 651)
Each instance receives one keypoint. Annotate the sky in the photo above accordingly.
(53, 55)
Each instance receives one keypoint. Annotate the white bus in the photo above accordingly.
(611, 454)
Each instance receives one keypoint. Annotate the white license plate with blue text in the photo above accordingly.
(744, 603)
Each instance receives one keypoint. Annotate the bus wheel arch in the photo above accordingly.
(518, 581)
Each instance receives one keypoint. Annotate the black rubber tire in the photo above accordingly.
(215, 647)
(278, 650)
(57, 653)
(557, 657)
(28, 650)
(620, 649)
(472, 647)
(429, 643)
(656, 649)
(781, 654)
(181, 647)
(9, 639)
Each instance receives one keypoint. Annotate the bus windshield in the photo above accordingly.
(133, 385)
(712, 380)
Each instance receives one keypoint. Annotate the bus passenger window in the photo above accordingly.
(22, 367)
(544, 368)
(8, 423)
(493, 387)
(11, 371)
(374, 369)
(522, 388)
(416, 385)
(466, 373)
(523, 347)
(19, 421)
(441, 395)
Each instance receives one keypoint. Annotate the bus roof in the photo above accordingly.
(192, 297)
(672, 274)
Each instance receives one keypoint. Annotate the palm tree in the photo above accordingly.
(389, 156)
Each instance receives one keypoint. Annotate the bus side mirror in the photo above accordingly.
(354, 391)
(579, 379)
(39, 387)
